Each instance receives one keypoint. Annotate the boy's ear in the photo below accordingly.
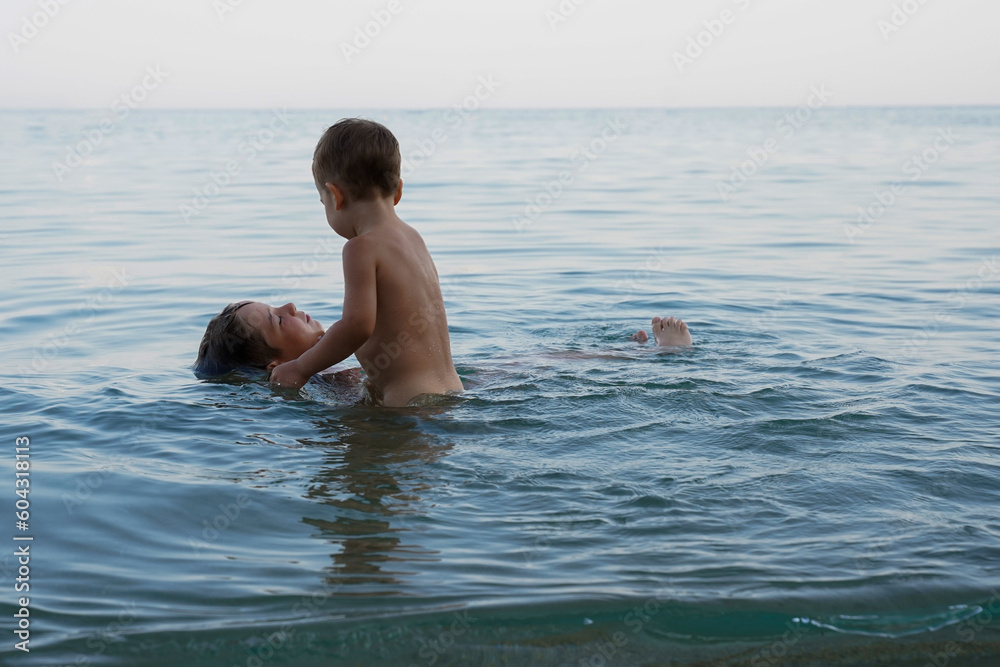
(338, 195)
(399, 193)
(271, 366)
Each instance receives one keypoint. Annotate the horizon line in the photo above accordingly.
(523, 108)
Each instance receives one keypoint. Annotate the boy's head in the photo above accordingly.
(360, 156)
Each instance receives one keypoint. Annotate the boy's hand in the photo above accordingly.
(288, 375)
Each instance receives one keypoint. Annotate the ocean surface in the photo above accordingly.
(816, 481)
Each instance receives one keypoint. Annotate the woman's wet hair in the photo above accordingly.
(230, 343)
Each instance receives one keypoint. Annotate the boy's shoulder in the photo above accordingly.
(359, 251)
(380, 241)
(397, 231)
(367, 241)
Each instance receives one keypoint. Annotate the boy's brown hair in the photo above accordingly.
(361, 156)
(230, 343)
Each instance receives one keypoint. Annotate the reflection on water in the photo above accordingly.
(374, 476)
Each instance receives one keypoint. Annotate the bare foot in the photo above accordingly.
(671, 332)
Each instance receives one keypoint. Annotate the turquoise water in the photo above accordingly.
(816, 480)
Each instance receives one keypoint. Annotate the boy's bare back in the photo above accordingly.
(408, 352)
(393, 319)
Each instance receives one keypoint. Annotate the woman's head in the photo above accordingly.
(253, 334)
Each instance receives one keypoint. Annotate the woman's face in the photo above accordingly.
(284, 328)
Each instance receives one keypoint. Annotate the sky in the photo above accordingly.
(517, 53)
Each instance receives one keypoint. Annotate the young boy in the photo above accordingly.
(393, 319)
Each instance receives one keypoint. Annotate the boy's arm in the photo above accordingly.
(354, 327)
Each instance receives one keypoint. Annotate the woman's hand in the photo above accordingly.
(288, 375)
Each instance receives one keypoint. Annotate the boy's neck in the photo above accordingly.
(360, 217)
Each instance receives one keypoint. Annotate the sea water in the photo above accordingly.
(815, 480)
